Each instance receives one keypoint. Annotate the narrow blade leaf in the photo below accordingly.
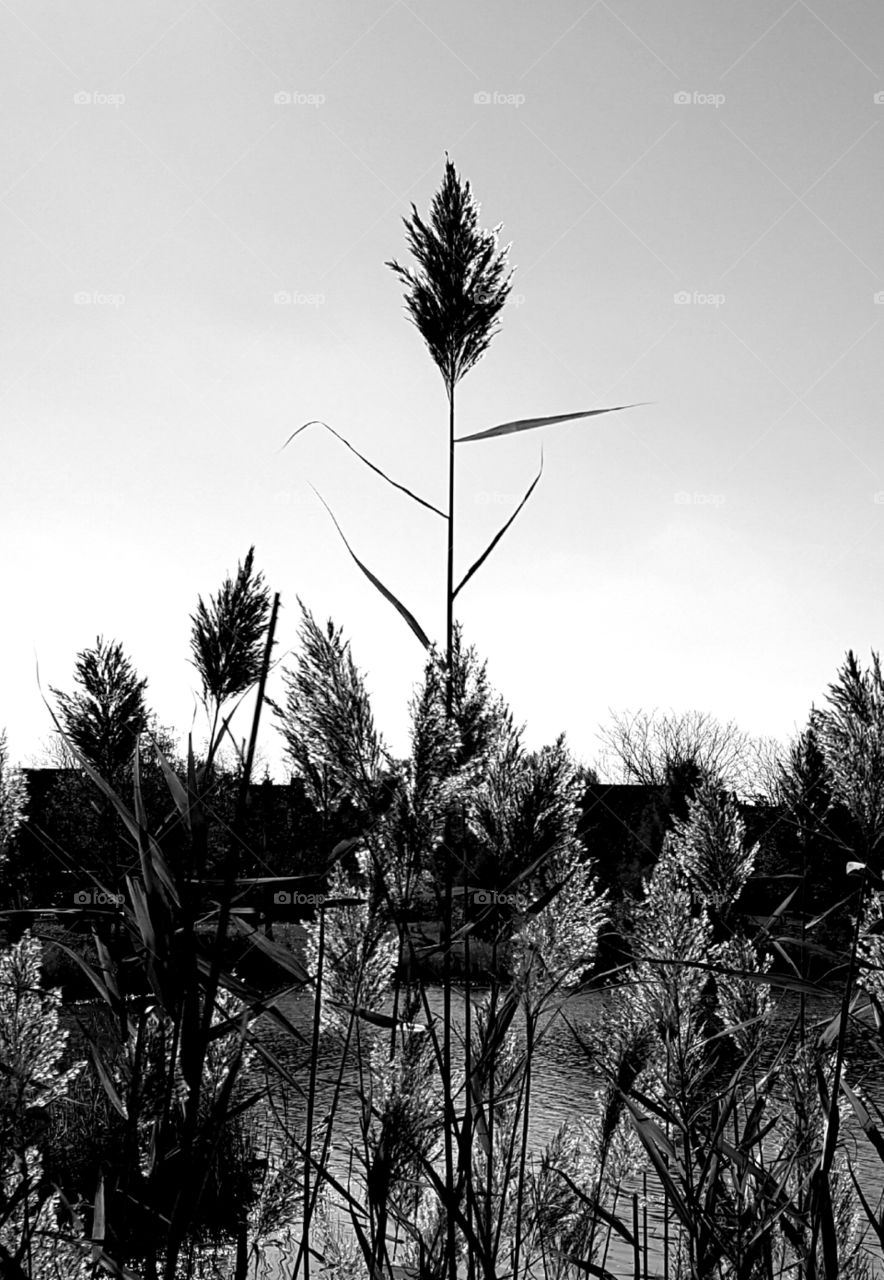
(98, 1220)
(108, 1084)
(98, 982)
(494, 541)
(381, 1019)
(317, 422)
(592, 1202)
(867, 1124)
(867, 1208)
(388, 595)
(591, 1268)
(527, 424)
(283, 957)
(176, 789)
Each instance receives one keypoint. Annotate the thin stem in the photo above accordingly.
(831, 1131)
(492, 1081)
(645, 1218)
(610, 1229)
(311, 1095)
(636, 1240)
(449, 592)
(530, 1027)
(446, 1012)
(189, 1191)
(447, 1084)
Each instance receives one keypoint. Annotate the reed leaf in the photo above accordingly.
(107, 1081)
(497, 537)
(317, 422)
(749, 975)
(380, 1019)
(654, 1140)
(592, 1203)
(283, 957)
(129, 820)
(99, 1224)
(824, 1216)
(591, 1268)
(528, 424)
(867, 1124)
(177, 790)
(876, 1224)
(388, 595)
(97, 981)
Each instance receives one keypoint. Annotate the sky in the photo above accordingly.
(196, 206)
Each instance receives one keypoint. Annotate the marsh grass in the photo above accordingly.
(168, 1164)
(432, 824)
(738, 1142)
(465, 850)
(455, 289)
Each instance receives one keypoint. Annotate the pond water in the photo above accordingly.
(563, 1087)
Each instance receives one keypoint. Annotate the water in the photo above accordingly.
(562, 1088)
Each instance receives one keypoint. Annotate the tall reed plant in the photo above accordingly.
(174, 1051)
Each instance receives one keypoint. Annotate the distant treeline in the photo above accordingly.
(71, 834)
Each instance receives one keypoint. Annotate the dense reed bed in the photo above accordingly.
(148, 1157)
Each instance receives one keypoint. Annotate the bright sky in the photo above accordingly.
(196, 204)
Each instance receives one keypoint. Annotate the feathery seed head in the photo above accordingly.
(461, 281)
